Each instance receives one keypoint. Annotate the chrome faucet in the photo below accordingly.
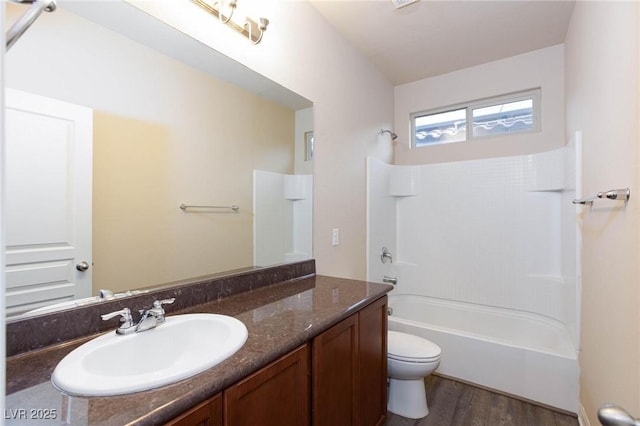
(149, 318)
(390, 280)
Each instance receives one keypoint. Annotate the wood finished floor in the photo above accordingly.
(453, 403)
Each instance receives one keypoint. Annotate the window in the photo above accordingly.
(441, 127)
(501, 115)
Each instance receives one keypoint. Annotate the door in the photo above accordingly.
(49, 145)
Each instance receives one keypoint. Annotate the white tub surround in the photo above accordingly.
(523, 354)
(282, 217)
(496, 236)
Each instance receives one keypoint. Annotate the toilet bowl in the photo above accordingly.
(410, 360)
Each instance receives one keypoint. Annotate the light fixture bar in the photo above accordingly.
(251, 29)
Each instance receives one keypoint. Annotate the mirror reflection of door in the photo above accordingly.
(48, 201)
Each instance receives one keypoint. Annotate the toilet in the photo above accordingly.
(410, 360)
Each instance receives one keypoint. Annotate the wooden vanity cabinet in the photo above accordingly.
(207, 413)
(339, 378)
(349, 370)
(335, 374)
(372, 368)
(277, 395)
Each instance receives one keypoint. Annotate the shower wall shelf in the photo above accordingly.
(184, 207)
(614, 194)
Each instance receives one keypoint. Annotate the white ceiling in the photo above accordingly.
(429, 37)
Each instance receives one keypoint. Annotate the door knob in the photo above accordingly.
(82, 266)
(612, 415)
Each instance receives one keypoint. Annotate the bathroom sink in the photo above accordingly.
(184, 345)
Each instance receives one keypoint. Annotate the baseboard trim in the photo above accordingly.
(583, 419)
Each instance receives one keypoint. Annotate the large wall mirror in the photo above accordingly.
(131, 126)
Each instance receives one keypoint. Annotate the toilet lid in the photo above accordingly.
(407, 347)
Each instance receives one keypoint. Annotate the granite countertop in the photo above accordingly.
(279, 318)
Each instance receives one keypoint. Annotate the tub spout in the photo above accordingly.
(390, 280)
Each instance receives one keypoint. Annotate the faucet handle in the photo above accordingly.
(159, 303)
(125, 313)
(126, 320)
(157, 311)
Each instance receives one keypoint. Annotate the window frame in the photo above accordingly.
(534, 94)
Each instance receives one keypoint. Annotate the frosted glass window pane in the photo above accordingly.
(503, 118)
(443, 127)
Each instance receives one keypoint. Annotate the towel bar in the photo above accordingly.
(613, 194)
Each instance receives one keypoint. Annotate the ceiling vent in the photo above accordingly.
(402, 3)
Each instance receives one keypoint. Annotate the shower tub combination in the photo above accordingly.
(518, 353)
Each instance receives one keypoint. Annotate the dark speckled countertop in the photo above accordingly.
(279, 318)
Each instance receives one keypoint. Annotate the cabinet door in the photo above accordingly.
(276, 395)
(335, 375)
(208, 413)
(372, 335)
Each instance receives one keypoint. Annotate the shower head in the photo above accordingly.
(393, 135)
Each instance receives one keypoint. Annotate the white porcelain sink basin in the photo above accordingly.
(184, 345)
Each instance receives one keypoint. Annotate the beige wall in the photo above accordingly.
(164, 134)
(602, 74)
(352, 102)
(542, 69)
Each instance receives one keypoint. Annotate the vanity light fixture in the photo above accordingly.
(223, 10)
(231, 5)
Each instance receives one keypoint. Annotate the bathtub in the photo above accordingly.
(522, 354)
